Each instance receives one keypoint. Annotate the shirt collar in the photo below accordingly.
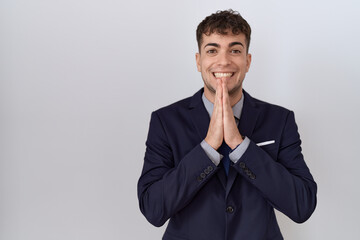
(237, 108)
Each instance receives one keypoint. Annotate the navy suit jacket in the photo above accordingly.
(179, 182)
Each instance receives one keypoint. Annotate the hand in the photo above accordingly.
(232, 136)
(215, 134)
(222, 123)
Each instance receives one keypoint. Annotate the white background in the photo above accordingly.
(79, 79)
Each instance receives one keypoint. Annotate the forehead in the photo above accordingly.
(223, 40)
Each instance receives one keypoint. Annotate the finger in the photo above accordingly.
(226, 99)
(218, 97)
(219, 89)
(225, 89)
(232, 136)
(215, 132)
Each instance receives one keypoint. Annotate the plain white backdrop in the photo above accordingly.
(79, 79)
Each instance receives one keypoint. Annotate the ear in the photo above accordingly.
(248, 61)
(198, 64)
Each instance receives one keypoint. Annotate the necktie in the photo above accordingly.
(225, 150)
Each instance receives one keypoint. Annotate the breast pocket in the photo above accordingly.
(271, 149)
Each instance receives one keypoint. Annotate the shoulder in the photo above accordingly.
(175, 116)
(176, 107)
(265, 106)
(266, 112)
(180, 107)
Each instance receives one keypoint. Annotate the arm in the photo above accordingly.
(165, 187)
(285, 182)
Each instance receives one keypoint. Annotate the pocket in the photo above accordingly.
(271, 149)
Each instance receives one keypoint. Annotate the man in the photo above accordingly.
(219, 162)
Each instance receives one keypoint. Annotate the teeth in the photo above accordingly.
(219, 75)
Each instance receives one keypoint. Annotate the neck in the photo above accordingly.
(235, 96)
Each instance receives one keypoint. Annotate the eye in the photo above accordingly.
(235, 51)
(211, 51)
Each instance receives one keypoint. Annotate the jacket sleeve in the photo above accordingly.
(286, 181)
(165, 187)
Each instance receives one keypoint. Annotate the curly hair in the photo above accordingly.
(221, 22)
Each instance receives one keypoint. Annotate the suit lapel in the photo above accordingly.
(249, 116)
(199, 115)
(246, 127)
(222, 175)
(230, 181)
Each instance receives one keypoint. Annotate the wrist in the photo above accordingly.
(211, 143)
(236, 142)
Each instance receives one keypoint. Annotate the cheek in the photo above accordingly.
(206, 67)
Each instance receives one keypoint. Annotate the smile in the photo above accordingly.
(222, 74)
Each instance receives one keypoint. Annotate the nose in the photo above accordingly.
(223, 59)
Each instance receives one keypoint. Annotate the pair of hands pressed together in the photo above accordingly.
(222, 125)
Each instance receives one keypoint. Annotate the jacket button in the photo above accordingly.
(242, 165)
(206, 171)
(200, 178)
(210, 168)
(202, 175)
(230, 209)
(252, 176)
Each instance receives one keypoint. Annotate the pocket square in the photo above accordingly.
(265, 143)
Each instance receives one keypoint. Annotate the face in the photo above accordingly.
(223, 56)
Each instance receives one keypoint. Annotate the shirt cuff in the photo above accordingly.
(214, 156)
(237, 153)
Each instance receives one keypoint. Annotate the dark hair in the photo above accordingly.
(221, 22)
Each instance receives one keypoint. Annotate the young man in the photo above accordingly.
(219, 162)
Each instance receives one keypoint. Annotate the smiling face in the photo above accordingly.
(226, 57)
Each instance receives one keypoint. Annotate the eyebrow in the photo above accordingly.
(235, 43)
(212, 44)
(230, 44)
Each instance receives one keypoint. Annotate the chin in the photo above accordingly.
(235, 90)
(209, 87)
